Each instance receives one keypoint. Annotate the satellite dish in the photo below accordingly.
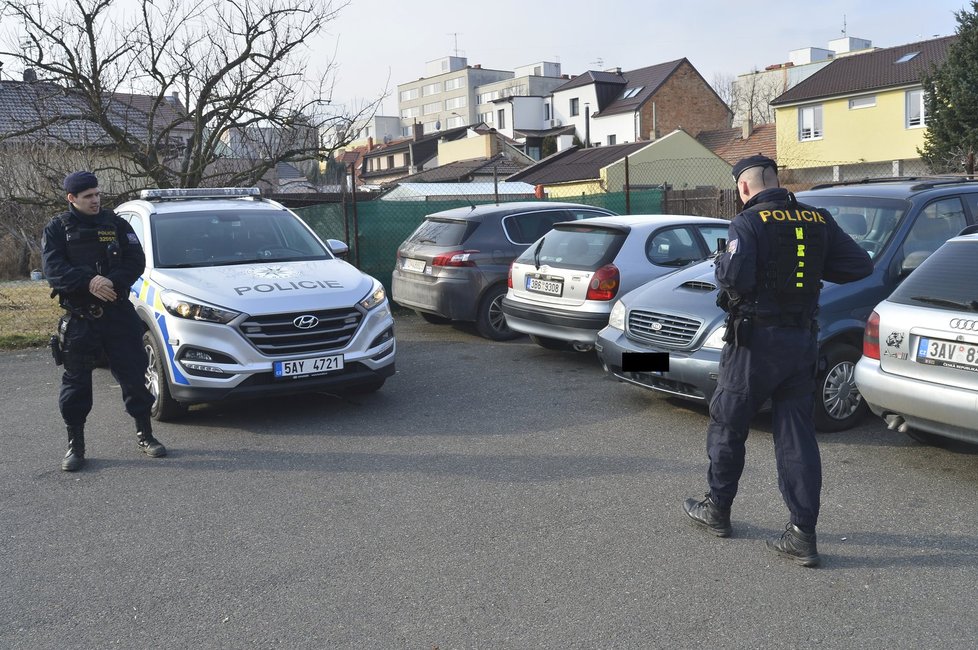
(437, 125)
(387, 139)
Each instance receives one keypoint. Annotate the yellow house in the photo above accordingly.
(861, 116)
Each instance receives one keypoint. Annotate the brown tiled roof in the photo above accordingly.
(575, 164)
(463, 171)
(730, 145)
(648, 79)
(870, 71)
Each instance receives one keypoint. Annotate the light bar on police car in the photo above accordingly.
(157, 194)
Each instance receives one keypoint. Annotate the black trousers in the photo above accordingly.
(778, 364)
(119, 333)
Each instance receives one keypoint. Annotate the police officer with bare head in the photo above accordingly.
(777, 255)
(91, 258)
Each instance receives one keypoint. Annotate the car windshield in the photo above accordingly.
(575, 247)
(870, 221)
(195, 239)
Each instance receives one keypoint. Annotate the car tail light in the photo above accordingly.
(604, 283)
(509, 277)
(454, 258)
(871, 337)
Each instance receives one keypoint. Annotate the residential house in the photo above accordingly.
(446, 97)
(751, 93)
(386, 163)
(34, 112)
(674, 161)
(859, 116)
(615, 107)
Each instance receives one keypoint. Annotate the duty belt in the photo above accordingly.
(783, 320)
(91, 311)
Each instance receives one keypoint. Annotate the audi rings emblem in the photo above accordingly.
(306, 322)
(964, 324)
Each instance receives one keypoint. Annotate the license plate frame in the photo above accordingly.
(308, 367)
(949, 354)
(413, 265)
(545, 286)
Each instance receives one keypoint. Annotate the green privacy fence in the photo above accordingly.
(374, 229)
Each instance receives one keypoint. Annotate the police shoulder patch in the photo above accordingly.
(133, 239)
(732, 246)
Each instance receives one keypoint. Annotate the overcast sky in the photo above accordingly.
(388, 42)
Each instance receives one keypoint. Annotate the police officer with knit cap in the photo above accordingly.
(91, 258)
(778, 253)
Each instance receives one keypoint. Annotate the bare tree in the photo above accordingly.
(751, 95)
(240, 66)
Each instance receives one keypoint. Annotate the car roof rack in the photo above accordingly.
(185, 193)
(925, 182)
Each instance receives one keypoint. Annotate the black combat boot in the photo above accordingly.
(150, 445)
(708, 514)
(75, 457)
(796, 545)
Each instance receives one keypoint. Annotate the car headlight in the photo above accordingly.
(376, 296)
(181, 306)
(616, 318)
(715, 340)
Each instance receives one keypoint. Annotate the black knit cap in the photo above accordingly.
(78, 182)
(753, 161)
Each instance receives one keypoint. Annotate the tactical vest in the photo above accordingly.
(797, 236)
(90, 242)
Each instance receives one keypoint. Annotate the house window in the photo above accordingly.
(501, 118)
(455, 102)
(454, 84)
(390, 162)
(433, 107)
(810, 122)
(916, 109)
(408, 113)
(486, 118)
(906, 57)
(546, 112)
(612, 139)
(575, 107)
(408, 95)
(865, 101)
(631, 92)
(431, 89)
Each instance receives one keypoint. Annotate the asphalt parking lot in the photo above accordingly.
(491, 495)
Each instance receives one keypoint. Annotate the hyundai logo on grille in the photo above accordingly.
(655, 325)
(306, 322)
(964, 324)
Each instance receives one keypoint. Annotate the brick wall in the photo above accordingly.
(684, 100)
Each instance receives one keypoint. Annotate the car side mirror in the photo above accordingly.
(912, 261)
(339, 249)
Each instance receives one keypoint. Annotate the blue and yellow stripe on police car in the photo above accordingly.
(148, 294)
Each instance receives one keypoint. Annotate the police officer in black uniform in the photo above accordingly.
(91, 258)
(770, 274)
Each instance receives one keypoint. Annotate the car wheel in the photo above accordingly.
(433, 318)
(490, 321)
(550, 344)
(838, 404)
(165, 408)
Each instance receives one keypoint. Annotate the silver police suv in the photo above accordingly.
(240, 298)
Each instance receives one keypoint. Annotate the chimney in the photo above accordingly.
(747, 128)
(370, 144)
(418, 131)
(29, 75)
(174, 98)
